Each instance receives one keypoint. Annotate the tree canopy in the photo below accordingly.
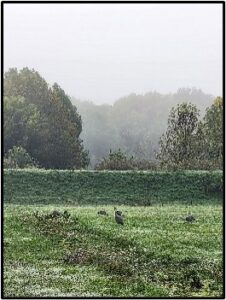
(191, 143)
(133, 123)
(42, 120)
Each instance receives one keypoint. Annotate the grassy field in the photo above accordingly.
(155, 254)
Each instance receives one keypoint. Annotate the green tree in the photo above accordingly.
(178, 144)
(46, 124)
(28, 84)
(213, 132)
(116, 160)
(63, 148)
(21, 121)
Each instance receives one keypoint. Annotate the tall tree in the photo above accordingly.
(177, 145)
(21, 121)
(213, 132)
(54, 141)
(28, 84)
(64, 148)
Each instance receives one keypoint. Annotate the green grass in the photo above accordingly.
(112, 187)
(155, 253)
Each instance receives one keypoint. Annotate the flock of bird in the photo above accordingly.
(117, 214)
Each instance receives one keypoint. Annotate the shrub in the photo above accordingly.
(119, 161)
(18, 157)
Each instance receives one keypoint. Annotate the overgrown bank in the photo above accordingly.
(114, 187)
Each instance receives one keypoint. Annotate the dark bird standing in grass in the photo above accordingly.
(118, 216)
(190, 218)
(118, 211)
(102, 212)
(55, 214)
(66, 214)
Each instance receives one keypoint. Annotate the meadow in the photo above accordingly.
(156, 253)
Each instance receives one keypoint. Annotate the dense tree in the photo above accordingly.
(28, 84)
(178, 144)
(42, 120)
(213, 132)
(64, 148)
(21, 121)
(133, 123)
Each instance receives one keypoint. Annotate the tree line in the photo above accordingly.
(43, 128)
(133, 123)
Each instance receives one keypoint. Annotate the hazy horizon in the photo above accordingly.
(100, 53)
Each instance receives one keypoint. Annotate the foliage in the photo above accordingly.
(110, 187)
(21, 122)
(133, 123)
(117, 160)
(18, 157)
(177, 145)
(187, 141)
(28, 84)
(155, 254)
(213, 133)
(42, 120)
(63, 147)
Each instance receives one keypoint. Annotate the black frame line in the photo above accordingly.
(3, 3)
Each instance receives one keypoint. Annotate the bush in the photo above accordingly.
(119, 161)
(18, 157)
(115, 161)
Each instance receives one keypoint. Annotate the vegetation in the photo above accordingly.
(213, 133)
(61, 236)
(156, 253)
(117, 160)
(133, 123)
(17, 157)
(42, 120)
(100, 187)
(192, 144)
(178, 144)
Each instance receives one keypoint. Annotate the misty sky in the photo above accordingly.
(101, 52)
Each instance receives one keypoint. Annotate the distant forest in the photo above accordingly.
(134, 123)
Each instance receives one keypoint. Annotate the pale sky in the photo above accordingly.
(101, 52)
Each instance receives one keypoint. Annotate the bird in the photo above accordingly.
(35, 214)
(117, 211)
(118, 217)
(55, 214)
(190, 218)
(66, 214)
(102, 212)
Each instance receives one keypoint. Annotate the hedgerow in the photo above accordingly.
(109, 187)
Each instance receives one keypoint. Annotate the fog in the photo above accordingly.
(101, 52)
